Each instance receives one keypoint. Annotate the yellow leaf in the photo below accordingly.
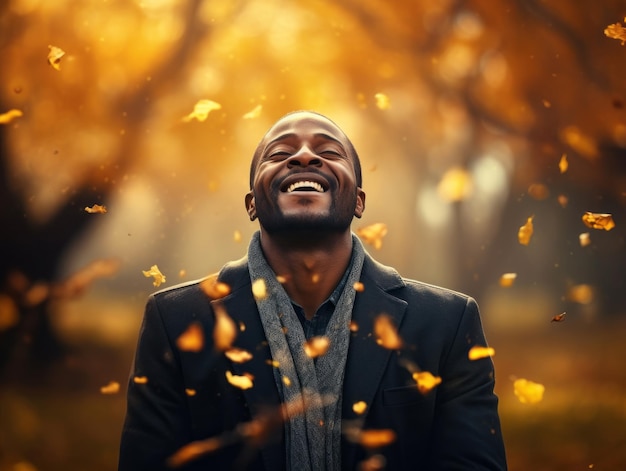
(96, 209)
(241, 382)
(478, 352)
(316, 346)
(190, 392)
(201, 110)
(582, 143)
(426, 381)
(563, 164)
(54, 56)
(373, 234)
(527, 391)
(9, 116)
(525, 232)
(376, 438)
(507, 279)
(581, 294)
(225, 330)
(237, 236)
(386, 333)
(584, 239)
(455, 185)
(616, 31)
(599, 220)
(140, 379)
(156, 274)
(258, 289)
(359, 407)
(382, 101)
(238, 355)
(112, 388)
(214, 288)
(192, 339)
(358, 287)
(194, 450)
(255, 113)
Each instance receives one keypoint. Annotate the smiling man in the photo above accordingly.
(307, 383)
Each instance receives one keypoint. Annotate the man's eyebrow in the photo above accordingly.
(318, 135)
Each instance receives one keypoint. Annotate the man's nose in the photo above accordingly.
(304, 158)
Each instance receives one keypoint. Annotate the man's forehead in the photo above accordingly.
(304, 122)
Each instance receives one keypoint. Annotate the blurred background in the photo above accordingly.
(470, 117)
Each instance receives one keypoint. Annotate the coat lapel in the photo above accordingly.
(367, 360)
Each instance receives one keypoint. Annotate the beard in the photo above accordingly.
(336, 219)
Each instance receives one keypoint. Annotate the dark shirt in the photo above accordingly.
(316, 326)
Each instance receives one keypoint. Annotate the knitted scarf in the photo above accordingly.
(311, 389)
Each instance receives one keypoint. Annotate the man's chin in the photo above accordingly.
(307, 225)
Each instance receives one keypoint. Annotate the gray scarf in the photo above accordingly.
(311, 389)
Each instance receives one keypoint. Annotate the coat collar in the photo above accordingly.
(362, 377)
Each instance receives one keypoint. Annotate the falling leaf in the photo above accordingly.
(455, 185)
(599, 220)
(582, 143)
(376, 438)
(201, 110)
(190, 392)
(242, 326)
(241, 382)
(258, 289)
(359, 407)
(225, 330)
(559, 317)
(286, 381)
(255, 113)
(507, 279)
(527, 391)
(182, 273)
(382, 101)
(140, 380)
(525, 232)
(584, 239)
(563, 200)
(386, 333)
(426, 381)
(616, 31)
(9, 116)
(192, 451)
(581, 294)
(354, 327)
(112, 388)
(54, 56)
(214, 288)
(237, 236)
(9, 314)
(238, 355)
(373, 234)
(156, 274)
(538, 191)
(192, 339)
(273, 363)
(96, 209)
(563, 164)
(37, 294)
(477, 352)
(316, 346)
(358, 287)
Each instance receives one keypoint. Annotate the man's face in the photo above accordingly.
(305, 178)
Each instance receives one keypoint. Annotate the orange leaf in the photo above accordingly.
(478, 352)
(316, 346)
(96, 209)
(192, 339)
(156, 274)
(386, 333)
(54, 57)
(6, 118)
(241, 382)
(525, 232)
(527, 391)
(507, 279)
(225, 329)
(599, 220)
(213, 288)
(373, 234)
(426, 381)
(112, 388)
(376, 438)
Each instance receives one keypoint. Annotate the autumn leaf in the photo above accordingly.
(528, 392)
(190, 392)
(225, 330)
(255, 113)
(538, 191)
(9, 313)
(140, 379)
(192, 451)
(616, 31)
(376, 438)
(358, 287)
(426, 381)
(455, 185)
(96, 209)
(559, 317)
(507, 279)
(238, 355)
(316, 346)
(477, 352)
(382, 101)
(156, 274)
(582, 143)
(584, 239)
(192, 339)
(54, 56)
(386, 333)
(525, 232)
(581, 294)
(214, 288)
(112, 388)
(237, 236)
(599, 220)
(6, 118)
(563, 164)
(359, 407)
(241, 382)
(201, 110)
(258, 289)
(373, 234)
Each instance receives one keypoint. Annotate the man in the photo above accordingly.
(337, 362)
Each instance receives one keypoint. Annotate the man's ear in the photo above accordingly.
(250, 206)
(360, 202)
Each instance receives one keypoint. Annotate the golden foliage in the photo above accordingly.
(507, 279)
(528, 392)
(477, 352)
(584, 239)
(616, 31)
(382, 101)
(386, 333)
(214, 288)
(259, 289)
(358, 287)
(6, 118)
(316, 346)
(254, 113)
(225, 330)
(563, 164)
(599, 220)
(193, 451)
(526, 232)
(242, 382)
(426, 381)
(376, 438)
(54, 56)
(112, 388)
(201, 110)
(373, 234)
(455, 185)
(238, 355)
(140, 379)
(192, 339)
(359, 407)
(96, 209)
(581, 294)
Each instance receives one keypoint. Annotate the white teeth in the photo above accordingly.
(309, 184)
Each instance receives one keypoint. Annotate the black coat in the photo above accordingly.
(187, 397)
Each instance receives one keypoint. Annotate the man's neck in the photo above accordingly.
(309, 267)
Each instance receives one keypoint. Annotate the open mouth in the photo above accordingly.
(305, 185)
